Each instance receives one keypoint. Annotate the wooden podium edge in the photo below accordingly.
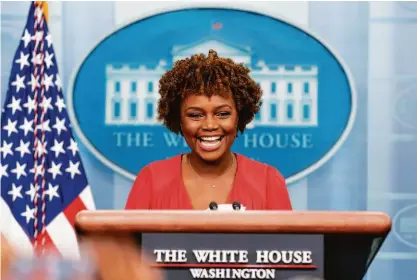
(176, 221)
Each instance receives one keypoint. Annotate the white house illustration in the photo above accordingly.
(289, 92)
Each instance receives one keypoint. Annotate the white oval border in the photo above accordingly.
(396, 115)
(244, 7)
(394, 221)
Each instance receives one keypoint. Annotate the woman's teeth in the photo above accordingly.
(210, 139)
(210, 143)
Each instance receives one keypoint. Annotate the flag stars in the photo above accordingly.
(58, 147)
(26, 126)
(3, 170)
(73, 147)
(19, 83)
(73, 169)
(55, 169)
(52, 191)
(30, 105)
(48, 38)
(44, 126)
(15, 105)
(60, 103)
(28, 214)
(37, 170)
(46, 103)
(47, 81)
(32, 192)
(38, 36)
(15, 192)
(23, 148)
(23, 60)
(34, 82)
(10, 127)
(26, 38)
(6, 149)
(19, 170)
(59, 125)
(37, 58)
(41, 148)
(58, 82)
(48, 59)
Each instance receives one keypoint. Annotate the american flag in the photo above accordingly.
(43, 182)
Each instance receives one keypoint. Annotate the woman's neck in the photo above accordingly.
(206, 169)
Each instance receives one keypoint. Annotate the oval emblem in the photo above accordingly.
(405, 225)
(308, 107)
(406, 103)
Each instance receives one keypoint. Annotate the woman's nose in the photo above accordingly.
(210, 123)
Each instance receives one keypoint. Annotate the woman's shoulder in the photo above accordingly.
(267, 181)
(154, 177)
(256, 165)
(161, 172)
(167, 163)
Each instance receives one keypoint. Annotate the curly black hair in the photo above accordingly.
(207, 75)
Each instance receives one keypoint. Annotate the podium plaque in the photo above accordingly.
(235, 256)
(249, 244)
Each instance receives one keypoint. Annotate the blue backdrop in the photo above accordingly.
(374, 169)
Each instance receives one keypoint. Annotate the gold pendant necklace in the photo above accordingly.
(198, 176)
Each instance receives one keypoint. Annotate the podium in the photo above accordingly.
(247, 244)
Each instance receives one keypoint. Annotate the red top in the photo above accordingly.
(257, 186)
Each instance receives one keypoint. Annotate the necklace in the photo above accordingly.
(227, 171)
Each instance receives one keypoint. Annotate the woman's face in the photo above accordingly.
(209, 125)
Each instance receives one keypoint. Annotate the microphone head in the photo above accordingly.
(236, 205)
(213, 205)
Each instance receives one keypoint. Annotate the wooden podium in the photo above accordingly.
(343, 244)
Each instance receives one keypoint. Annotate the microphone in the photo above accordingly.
(236, 205)
(213, 205)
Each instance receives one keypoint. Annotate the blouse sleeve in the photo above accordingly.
(277, 194)
(141, 192)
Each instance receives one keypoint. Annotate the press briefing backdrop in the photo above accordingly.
(340, 96)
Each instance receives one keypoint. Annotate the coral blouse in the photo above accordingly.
(257, 186)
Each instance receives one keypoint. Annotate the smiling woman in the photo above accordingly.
(208, 100)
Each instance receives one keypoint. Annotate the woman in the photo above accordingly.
(208, 100)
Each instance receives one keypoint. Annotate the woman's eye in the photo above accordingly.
(224, 114)
(194, 115)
